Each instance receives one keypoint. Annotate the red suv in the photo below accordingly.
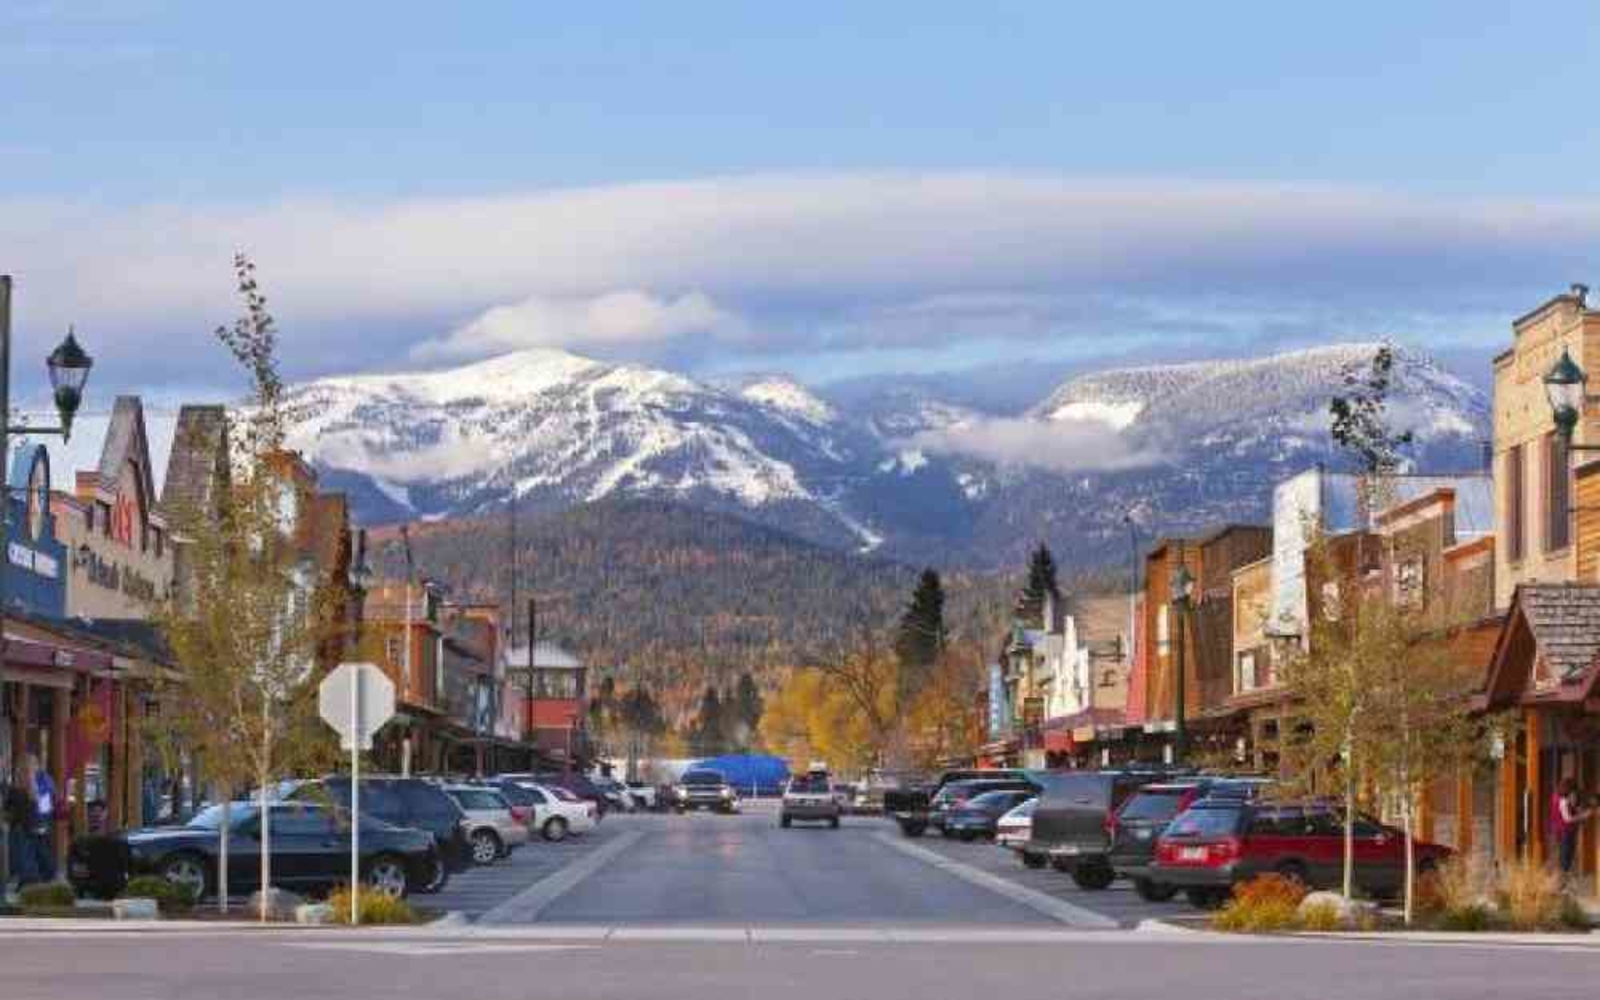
(1218, 843)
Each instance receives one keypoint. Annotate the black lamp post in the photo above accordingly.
(1565, 387)
(68, 367)
(1182, 587)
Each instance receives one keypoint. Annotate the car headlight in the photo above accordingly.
(681, 793)
(727, 793)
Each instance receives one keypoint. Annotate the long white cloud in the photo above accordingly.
(412, 269)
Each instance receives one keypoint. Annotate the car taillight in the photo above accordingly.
(1223, 851)
(519, 813)
(1111, 824)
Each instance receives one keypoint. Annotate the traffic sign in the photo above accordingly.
(356, 699)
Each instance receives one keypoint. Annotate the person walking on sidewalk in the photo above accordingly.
(1566, 822)
(19, 810)
(43, 788)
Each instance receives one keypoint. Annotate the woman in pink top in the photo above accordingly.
(1566, 822)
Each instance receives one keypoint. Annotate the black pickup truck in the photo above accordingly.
(909, 804)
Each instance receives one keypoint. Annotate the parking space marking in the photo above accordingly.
(526, 905)
(1050, 906)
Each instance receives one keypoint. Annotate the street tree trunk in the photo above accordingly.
(222, 862)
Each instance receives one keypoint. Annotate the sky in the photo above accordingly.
(831, 190)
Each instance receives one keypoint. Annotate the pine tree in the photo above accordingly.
(747, 709)
(921, 636)
(1041, 582)
(709, 737)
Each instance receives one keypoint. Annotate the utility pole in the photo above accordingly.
(411, 574)
(533, 641)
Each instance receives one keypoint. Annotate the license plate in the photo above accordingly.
(1192, 853)
(1067, 849)
(1142, 834)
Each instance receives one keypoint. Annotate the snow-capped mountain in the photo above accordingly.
(905, 473)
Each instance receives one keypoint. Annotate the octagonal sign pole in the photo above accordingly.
(356, 699)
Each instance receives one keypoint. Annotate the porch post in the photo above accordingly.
(1506, 814)
(60, 720)
(1535, 793)
(1465, 806)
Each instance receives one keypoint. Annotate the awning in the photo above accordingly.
(1056, 741)
(38, 677)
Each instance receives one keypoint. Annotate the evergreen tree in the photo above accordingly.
(921, 636)
(709, 737)
(747, 709)
(1041, 581)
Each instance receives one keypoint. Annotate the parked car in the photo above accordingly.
(980, 815)
(956, 794)
(1138, 824)
(557, 812)
(704, 789)
(1219, 842)
(645, 795)
(1073, 822)
(493, 830)
(407, 802)
(616, 794)
(309, 845)
(810, 798)
(910, 803)
(574, 782)
(1012, 830)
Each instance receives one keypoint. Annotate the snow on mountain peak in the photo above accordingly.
(788, 396)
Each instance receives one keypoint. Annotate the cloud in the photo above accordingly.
(1057, 445)
(601, 324)
(804, 262)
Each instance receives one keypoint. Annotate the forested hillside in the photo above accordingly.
(679, 597)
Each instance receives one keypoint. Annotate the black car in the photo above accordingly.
(1137, 826)
(956, 794)
(1073, 822)
(704, 789)
(408, 802)
(910, 803)
(309, 844)
(977, 816)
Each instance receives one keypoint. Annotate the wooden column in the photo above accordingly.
(19, 726)
(1506, 781)
(1534, 792)
(133, 740)
(60, 722)
(116, 785)
(1465, 806)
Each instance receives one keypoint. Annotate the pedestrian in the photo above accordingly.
(1567, 817)
(19, 810)
(44, 818)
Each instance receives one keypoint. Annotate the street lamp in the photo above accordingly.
(1182, 585)
(1565, 388)
(69, 367)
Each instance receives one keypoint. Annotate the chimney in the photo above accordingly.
(1580, 292)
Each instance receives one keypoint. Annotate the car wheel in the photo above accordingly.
(1294, 871)
(190, 871)
(969, 835)
(1093, 877)
(1153, 892)
(834, 822)
(1061, 865)
(785, 822)
(555, 829)
(387, 873)
(1034, 860)
(1206, 899)
(485, 848)
(438, 878)
(913, 829)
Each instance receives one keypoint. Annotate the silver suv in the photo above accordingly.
(492, 830)
(810, 798)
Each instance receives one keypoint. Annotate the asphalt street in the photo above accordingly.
(706, 906)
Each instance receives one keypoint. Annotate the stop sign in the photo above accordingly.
(356, 699)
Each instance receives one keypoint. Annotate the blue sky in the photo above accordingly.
(831, 189)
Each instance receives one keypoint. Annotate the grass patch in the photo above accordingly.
(47, 899)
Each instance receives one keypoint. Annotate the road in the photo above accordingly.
(704, 907)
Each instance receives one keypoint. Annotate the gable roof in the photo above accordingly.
(1551, 639)
(198, 463)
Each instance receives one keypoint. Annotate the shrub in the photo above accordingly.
(1530, 895)
(376, 907)
(46, 897)
(1462, 882)
(171, 899)
(1321, 917)
(1265, 903)
(1573, 915)
(1472, 917)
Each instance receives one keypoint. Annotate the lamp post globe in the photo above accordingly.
(1564, 387)
(69, 368)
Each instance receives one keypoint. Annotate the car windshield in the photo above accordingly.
(809, 785)
(563, 794)
(1205, 823)
(702, 778)
(210, 818)
(993, 800)
(1024, 811)
(478, 798)
(1158, 806)
(516, 794)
